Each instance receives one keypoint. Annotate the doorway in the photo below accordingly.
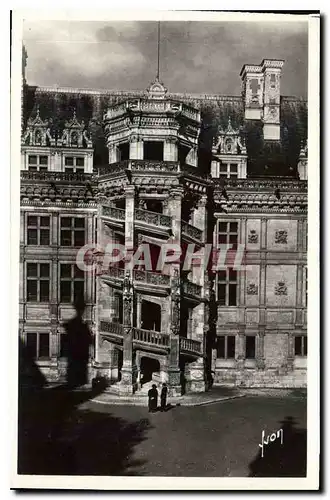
(150, 316)
(148, 367)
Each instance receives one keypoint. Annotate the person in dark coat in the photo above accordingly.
(163, 398)
(152, 398)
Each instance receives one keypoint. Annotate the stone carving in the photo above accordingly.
(127, 299)
(281, 288)
(281, 237)
(253, 236)
(176, 298)
(37, 132)
(228, 141)
(252, 289)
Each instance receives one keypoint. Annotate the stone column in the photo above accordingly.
(241, 349)
(135, 148)
(170, 149)
(128, 372)
(113, 153)
(129, 217)
(174, 210)
(260, 361)
(290, 358)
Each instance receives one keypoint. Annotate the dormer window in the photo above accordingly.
(153, 150)
(228, 170)
(74, 164)
(38, 163)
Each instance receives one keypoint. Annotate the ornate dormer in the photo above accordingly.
(74, 134)
(157, 90)
(230, 150)
(228, 141)
(37, 132)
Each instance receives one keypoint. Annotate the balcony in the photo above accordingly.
(114, 213)
(191, 232)
(192, 289)
(153, 218)
(149, 339)
(190, 346)
(140, 278)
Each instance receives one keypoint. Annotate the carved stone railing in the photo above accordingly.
(191, 288)
(56, 176)
(153, 218)
(114, 272)
(114, 213)
(150, 337)
(284, 184)
(191, 231)
(154, 166)
(110, 327)
(113, 168)
(190, 345)
(151, 278)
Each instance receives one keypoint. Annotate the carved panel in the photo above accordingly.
(253, 236)
(252, 289)
(281, 237)
(281, 288)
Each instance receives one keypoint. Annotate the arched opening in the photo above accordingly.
(148, 368)
(150, 316)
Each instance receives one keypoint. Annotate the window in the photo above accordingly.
(123, 150)
(228, 170)
(250, 347)
(38, 163)
(38, 345)
(300, 346)
(74, 164)
(63, 345)
(72, 231)
(72, 281)
(227, 287)
(118, 308)
(38, 229)
(37, 282)
(228, 233)
(153, 150)
(226, 346)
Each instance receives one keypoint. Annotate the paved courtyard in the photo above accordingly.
(67, 434)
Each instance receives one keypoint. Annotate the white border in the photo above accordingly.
(175, 483)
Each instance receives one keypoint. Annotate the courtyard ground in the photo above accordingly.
(66, 433)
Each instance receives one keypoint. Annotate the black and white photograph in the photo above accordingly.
(166, 173)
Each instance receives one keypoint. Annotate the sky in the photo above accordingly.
(195, 57)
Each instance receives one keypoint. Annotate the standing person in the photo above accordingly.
(152, 398)
(163, 398)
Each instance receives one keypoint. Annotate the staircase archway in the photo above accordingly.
(148, 367)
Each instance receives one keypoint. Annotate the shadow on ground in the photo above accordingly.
(283, 460)
(56, 437)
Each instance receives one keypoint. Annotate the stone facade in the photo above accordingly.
(243, 324)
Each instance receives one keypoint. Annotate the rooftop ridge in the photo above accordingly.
(135, 93)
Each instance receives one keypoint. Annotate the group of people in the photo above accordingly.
(153, 398)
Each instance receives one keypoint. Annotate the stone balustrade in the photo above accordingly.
(150, 337)
(111, 327)
(51, 176)
(190, 345)
(114, 213)
(191, 288)
(191, 231)
(151, 278)
(153, 218)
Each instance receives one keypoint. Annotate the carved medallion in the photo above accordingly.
(281, 237)
(281, 288)
(253, 236)
(252, 289)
